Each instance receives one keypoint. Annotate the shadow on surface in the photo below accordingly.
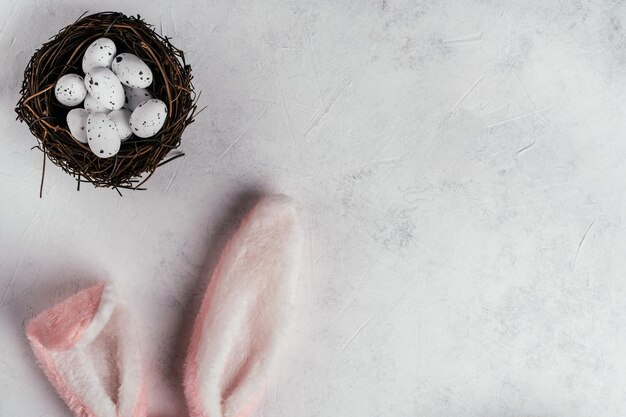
(225, 225)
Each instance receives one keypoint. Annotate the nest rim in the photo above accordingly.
(46, 118)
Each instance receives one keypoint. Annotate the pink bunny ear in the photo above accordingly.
(89, 352)
(240, 329)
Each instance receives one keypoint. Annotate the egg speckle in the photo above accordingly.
(132, 71)
(135, 96)
(70, 90)
(94, 106)
(76, 122)
(121, 119)
(105, 87)
(102, 135)
(148, 118)
(99, 54)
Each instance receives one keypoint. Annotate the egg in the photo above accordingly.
(135, 96)
(120, 118)
(102, 135)
(132, 71)
(70, 90)
(93, 106)
(148, 118)
(77, 122)
(105, 87)
(99, 54)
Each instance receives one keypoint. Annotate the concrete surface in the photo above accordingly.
(462, 166)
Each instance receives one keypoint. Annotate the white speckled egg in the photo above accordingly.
(102, 135)
(77, 122)
(121, 118)
(105, 87)
(99, 54)
(94, 106)
(70, 90)
(135, 96)
(132, 71)
(148, 118)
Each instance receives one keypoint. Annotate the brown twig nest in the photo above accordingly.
(46, 117)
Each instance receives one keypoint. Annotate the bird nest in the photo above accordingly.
(138, 158)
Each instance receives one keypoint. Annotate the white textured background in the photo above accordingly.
(462, 164)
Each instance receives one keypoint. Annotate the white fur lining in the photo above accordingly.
(251, 303)
(103, 368)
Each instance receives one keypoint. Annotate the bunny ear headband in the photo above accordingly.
(89, 350)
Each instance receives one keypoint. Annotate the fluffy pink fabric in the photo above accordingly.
(60, 327)
(240, 329)
(86, 349)
(87, 346)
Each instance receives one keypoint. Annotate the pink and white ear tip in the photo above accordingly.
(242, 324)
(88, 349)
